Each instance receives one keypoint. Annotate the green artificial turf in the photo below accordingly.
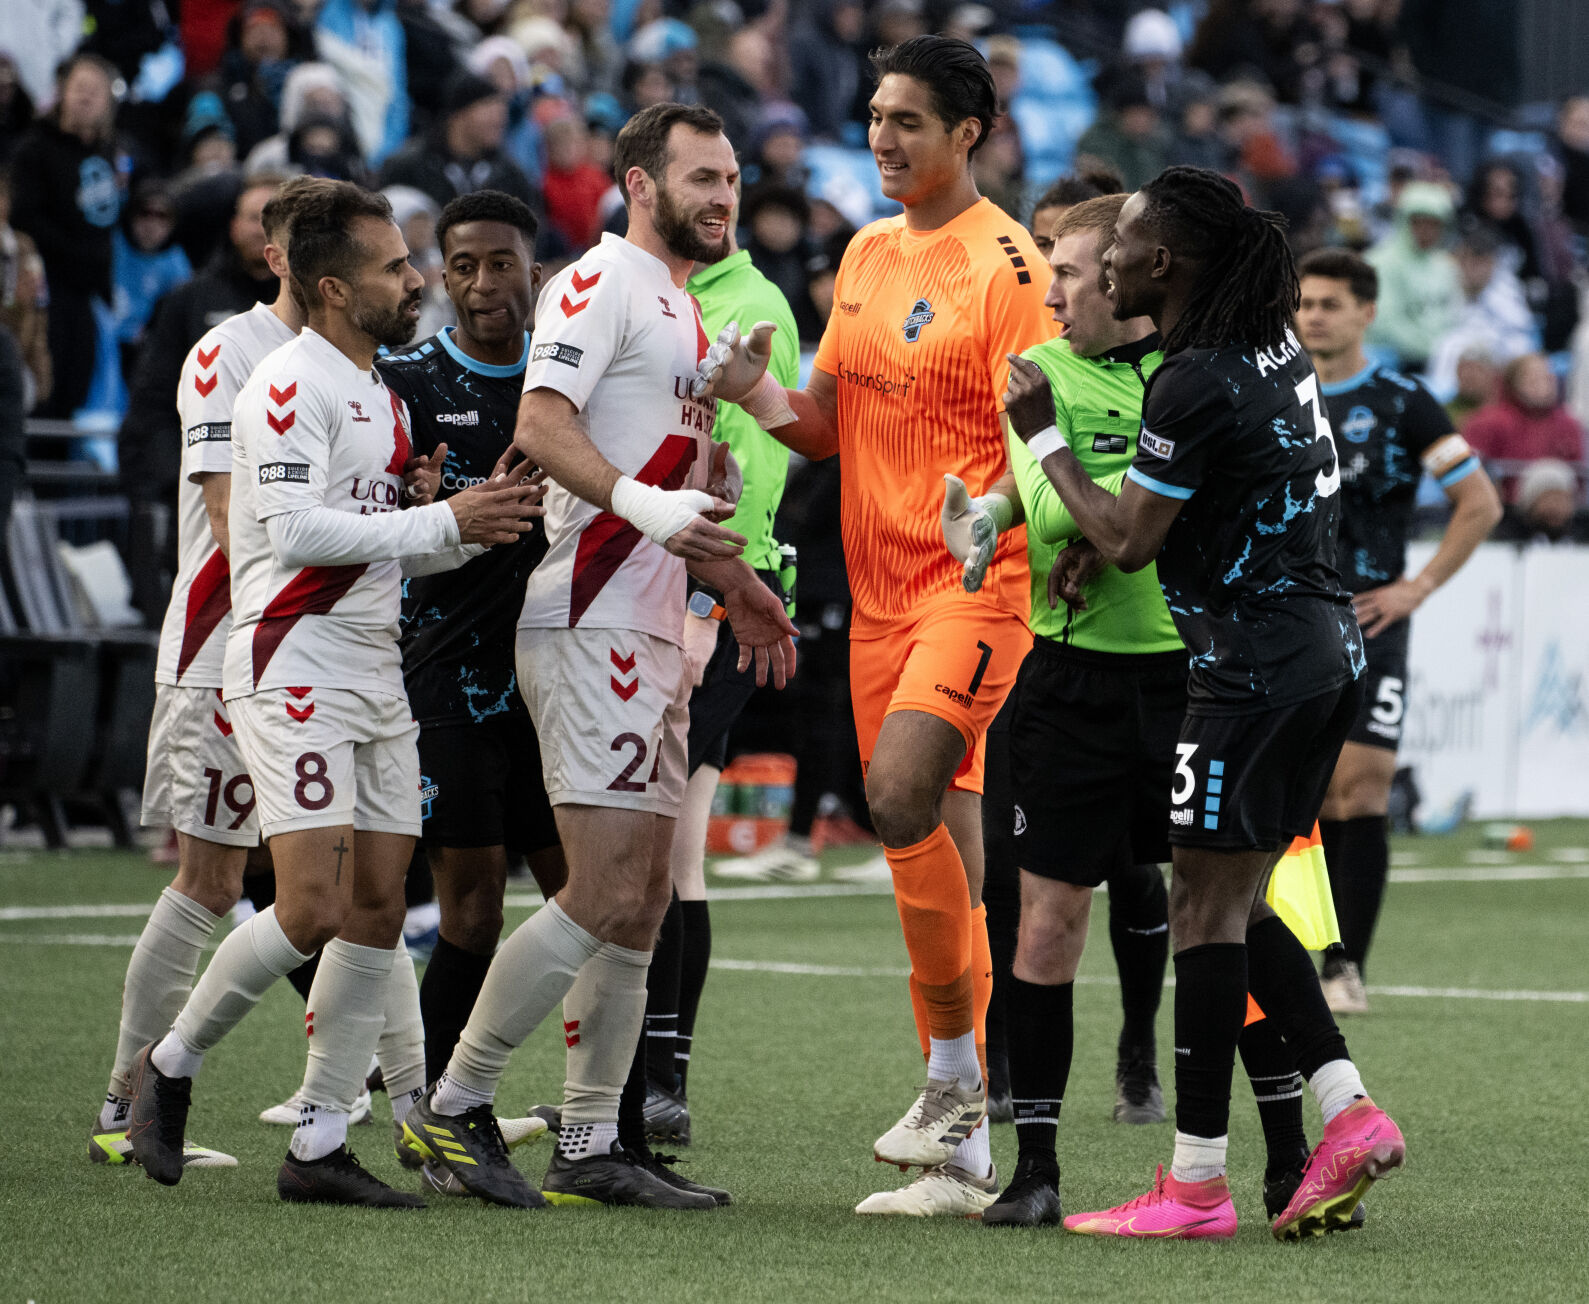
(794, 1075)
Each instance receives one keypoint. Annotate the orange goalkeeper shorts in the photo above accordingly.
(955, 659)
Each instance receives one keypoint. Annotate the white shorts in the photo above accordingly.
(612, 711)
(322, 757)
(196, 780)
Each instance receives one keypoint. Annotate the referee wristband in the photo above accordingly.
(1045, 441)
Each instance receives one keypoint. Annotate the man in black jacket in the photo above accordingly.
(463, 153)
(235, 279)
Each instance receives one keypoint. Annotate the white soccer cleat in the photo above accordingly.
(944, 1115)
(286, 1114)
(522, 1131)
(778, 863)
(1344, 993)
(945, 1192)
(874, 869)
(112, 1147)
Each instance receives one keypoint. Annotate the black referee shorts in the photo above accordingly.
(1379, 720)
(480, 784)
(722, 695)
(1092, 746)
(1254, 782)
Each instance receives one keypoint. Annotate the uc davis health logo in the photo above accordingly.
(920, 314)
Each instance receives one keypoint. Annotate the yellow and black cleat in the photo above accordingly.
(471, 1148)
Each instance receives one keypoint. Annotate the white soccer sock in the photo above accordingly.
(401, 1049)
(528, 978)
(347, 1009)
(580, 1140)
(1198, 1158)
(602, 1016)
(955, 1060)
(1335, 1086)
(239, 973)
(159, 979)
(974, 1154)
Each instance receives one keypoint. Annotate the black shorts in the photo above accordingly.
(1384, 708)
(480, 785)
(1092, 747)
(720, 698)
(1254, 782)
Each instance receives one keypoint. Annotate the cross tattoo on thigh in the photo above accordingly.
(341, 849)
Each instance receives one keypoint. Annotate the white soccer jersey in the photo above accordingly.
(616, 337)
(311, 429)
(193, 634)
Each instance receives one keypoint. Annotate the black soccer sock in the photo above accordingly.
(662, 998)
(1139, 929)
(697, 920)
(1277, 1087)
(1041, 1039)
(259, 886)
(447, 993)
(1357, 854)
(1283, 982)
(302, 978)
(1004, 922)
(632, 1104)
(1210, 1005)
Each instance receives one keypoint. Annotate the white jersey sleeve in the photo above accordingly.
(215, 370)
(288, 428)
(580, 325)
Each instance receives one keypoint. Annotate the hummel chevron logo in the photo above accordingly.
(208, 361)
(571, 1032)
(300, 713)
(580, 285)
(221, 724)
(308, 1024)
(282, 424)
(280, 396)
(626, 666)
(205, 384)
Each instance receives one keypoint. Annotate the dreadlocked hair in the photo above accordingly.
(1247, 291)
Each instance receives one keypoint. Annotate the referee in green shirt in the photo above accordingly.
(1093, 722)
(730, 290)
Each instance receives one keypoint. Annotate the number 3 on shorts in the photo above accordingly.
(1185, 780)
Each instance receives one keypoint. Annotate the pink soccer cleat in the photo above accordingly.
(1171, 1211)
(1360, 1144)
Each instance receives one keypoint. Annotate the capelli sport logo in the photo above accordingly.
(921, 314)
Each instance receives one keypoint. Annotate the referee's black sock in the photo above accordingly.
(1210, 1005)
(662, 998)
(696, 917)
(1277, 1087)
(1357, 854)
(1283, 982)
(1139, 929)
(1041, 1027)
(632, 1104)
(302, 978)
(447, 993)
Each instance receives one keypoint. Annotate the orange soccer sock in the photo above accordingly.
(935, 913)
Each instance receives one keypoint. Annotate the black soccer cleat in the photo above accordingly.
(617, 1178)
(159, 1118)
(1138, 1097)
(1030, 1200)
(338, 1178)
(471, 1147)
(662, 1166)
(1279, 1188)
(667, 1116)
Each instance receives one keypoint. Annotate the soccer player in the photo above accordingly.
(197, 781)
(608, 415)
(725, 291)
(906, 385)
(479, 762)
(1234, 489)
(1093, 721)
(315, 692)
(1389, 430)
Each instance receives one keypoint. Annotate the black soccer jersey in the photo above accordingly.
(1384, 422)
(458, 626)
(1248, 567)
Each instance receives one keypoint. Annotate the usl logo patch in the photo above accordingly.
(1150, 442)
(920, 315)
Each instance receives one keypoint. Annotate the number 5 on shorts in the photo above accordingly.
(1185, 780)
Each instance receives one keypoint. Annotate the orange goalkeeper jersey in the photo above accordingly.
(917, 340)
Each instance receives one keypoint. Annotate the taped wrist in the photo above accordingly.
(998, 507)
(768, 402)
(658, 514)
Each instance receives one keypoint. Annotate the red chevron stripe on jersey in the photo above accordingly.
(580, 286)
(401, 448)
(209, 599)
(313, 591)
(280, 396)
(608, 540)
(205, 384)
(207, 360)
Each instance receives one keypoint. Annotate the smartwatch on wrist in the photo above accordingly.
(701, 605)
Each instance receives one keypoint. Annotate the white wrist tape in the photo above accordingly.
(658, 514)
(768, 402)
(1045, 441)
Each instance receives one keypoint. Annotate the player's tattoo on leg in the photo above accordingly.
(341, 849)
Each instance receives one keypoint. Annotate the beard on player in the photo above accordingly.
(388, 326)
(681, 232)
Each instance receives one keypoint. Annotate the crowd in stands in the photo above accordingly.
(138, 137)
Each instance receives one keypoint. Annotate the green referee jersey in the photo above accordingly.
(1098, 409)
(733, 290)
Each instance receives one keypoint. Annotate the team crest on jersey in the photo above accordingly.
(358, 410)
(920, 315)
(1360, 423)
